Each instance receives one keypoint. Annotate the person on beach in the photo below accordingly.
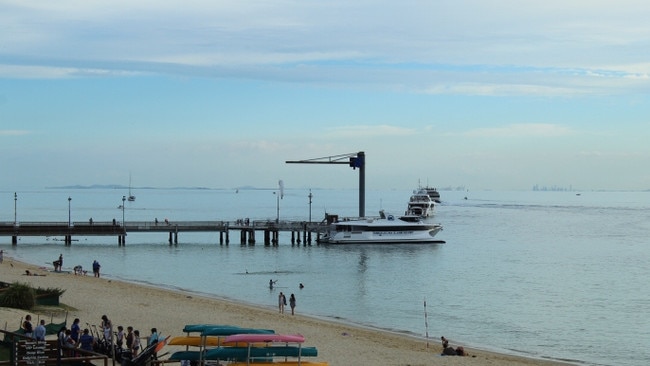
(69, 344)
(292, 303)
(28, 328)
(153, 338)
(96, 267)
(60, 336)
(282, 301)
(120, 336)
(86, 341)
(107, 328)
(135, 347)
(58, 264)
(448, 350)
(40, 331)
(2, 254)
(75, 330)
(129, 337)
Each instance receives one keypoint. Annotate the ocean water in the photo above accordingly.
(542, 274)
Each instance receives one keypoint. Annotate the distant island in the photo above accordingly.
(119, 186)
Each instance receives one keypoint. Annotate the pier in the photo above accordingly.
(301, 231)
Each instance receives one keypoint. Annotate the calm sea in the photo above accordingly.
(542, 274)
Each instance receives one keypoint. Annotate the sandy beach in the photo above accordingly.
(144, 307)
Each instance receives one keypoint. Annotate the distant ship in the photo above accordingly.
(131, 196)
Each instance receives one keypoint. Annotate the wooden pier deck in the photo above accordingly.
(247, 230)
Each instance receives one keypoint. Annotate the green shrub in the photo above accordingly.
(19, 296)
(49, 291)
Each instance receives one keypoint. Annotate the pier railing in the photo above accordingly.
(247, 228)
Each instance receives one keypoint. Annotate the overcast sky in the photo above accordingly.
(481, 94)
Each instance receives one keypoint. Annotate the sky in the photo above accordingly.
(486, 95)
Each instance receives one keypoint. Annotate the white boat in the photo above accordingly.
(432, 192)
(420, 205)
(386, 229)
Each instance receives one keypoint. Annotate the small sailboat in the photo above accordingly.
(131, 196)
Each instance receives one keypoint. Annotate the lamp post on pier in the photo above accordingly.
(280, 194)
(277, 207)
(15, 206)
(69, 220)
(310, 197)
(123, 199)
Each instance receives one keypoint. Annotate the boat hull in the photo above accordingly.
(242, 353)
(382, 231)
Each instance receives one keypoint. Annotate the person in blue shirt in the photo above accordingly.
(96, 267)
(153, 338)
(75, 330)
(39, 331)
(86, 341)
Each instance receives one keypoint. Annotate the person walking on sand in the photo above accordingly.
(292, 303)
(282, 301)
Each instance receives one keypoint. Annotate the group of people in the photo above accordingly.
(448, 350)
(78, 269)
(282, 302)
(74, 338)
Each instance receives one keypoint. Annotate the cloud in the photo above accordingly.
(521, 130)
(14, 132)
(56, 72)
(367, 131)
(466, 47)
